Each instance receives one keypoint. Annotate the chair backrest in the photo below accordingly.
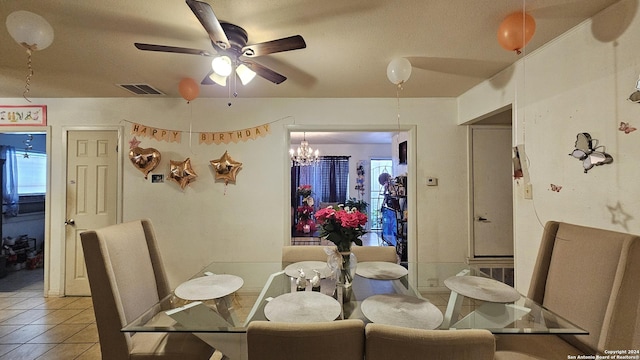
(295, 253)
(375, 253)
(590, 277)
(335, 340)
(385, 342)
(126, 278)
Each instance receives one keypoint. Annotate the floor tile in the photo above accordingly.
(65, 352)
(57, 316)
(92, 354)
(89, 334)
(24, 334)
(57, 334)
(27, 352)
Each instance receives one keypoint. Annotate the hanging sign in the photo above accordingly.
(23, 115)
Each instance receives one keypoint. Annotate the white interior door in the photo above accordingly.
(492, 176)
(92, 196)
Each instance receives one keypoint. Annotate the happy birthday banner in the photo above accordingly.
(204, 137)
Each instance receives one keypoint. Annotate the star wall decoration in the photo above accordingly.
(133, 143)
(619, 216)
(225, 168)
(182, 172)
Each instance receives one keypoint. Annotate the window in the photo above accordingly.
(32, 173)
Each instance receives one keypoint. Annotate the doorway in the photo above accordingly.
(491, 192)
(22, 230)
(363, 144)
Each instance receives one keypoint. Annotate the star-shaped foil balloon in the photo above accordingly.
(226, 168)
(182, 172)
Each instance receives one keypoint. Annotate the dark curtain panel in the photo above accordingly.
(329, 180)
(334, 171)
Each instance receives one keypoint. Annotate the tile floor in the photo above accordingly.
(35, 327)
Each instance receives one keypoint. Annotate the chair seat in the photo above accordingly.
(534, 346)
(169, 346)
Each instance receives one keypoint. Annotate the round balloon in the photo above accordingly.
(29, 30)
(189, 89)
(144, 160)
(399, 70)
(515, 31)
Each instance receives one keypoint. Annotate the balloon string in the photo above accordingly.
(398, 102)
(29, 75)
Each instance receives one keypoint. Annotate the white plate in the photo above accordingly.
(482, 288)
(402, 310)
(380, 270)
(303, 307)
(308, 267)
(209, 287)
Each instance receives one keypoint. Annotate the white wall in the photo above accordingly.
(578, 83)
(207, 222)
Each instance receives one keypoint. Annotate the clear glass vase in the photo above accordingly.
(346, 274)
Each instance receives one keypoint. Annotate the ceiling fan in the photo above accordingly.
(230, 49)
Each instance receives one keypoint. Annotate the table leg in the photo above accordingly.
(454, 305)
(232, 345)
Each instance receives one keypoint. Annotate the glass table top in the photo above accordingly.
(263, 282)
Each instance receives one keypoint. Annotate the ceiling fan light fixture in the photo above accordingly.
(222, 65)
(245, 74)
(220, 80)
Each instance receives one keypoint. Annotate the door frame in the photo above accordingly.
(411, 131)
(63, 206)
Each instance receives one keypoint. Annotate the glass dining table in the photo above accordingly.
(418, 295)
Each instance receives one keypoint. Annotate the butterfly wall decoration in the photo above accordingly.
(586, 150)
(624, 126)
(556, 188)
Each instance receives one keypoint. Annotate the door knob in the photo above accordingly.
(69, 222)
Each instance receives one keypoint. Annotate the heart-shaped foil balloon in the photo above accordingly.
(144, 160)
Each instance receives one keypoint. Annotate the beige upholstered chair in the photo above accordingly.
(375, 253)
(295, 253)
(384, 342)
(334, 340)
(126, 277)
(590, 277)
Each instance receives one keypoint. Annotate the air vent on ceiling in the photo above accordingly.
(141, 89)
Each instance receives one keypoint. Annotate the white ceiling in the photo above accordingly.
(451, 44)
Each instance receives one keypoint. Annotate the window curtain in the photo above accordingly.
(329, 180)
(10, 196)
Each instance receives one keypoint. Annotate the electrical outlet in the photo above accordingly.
(432, 181)
(432, 282)
(528, 191)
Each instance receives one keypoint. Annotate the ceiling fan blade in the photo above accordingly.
(269, 47)
(172, 49)
(207, 18)
(265, 72)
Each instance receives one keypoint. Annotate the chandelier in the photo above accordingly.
(305, 155)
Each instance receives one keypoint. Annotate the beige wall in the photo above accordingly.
(577, 83)
(248, 220)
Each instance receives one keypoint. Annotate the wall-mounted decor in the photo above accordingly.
(626, 128)
(23, 115)
(402, 152)
(586, 151)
